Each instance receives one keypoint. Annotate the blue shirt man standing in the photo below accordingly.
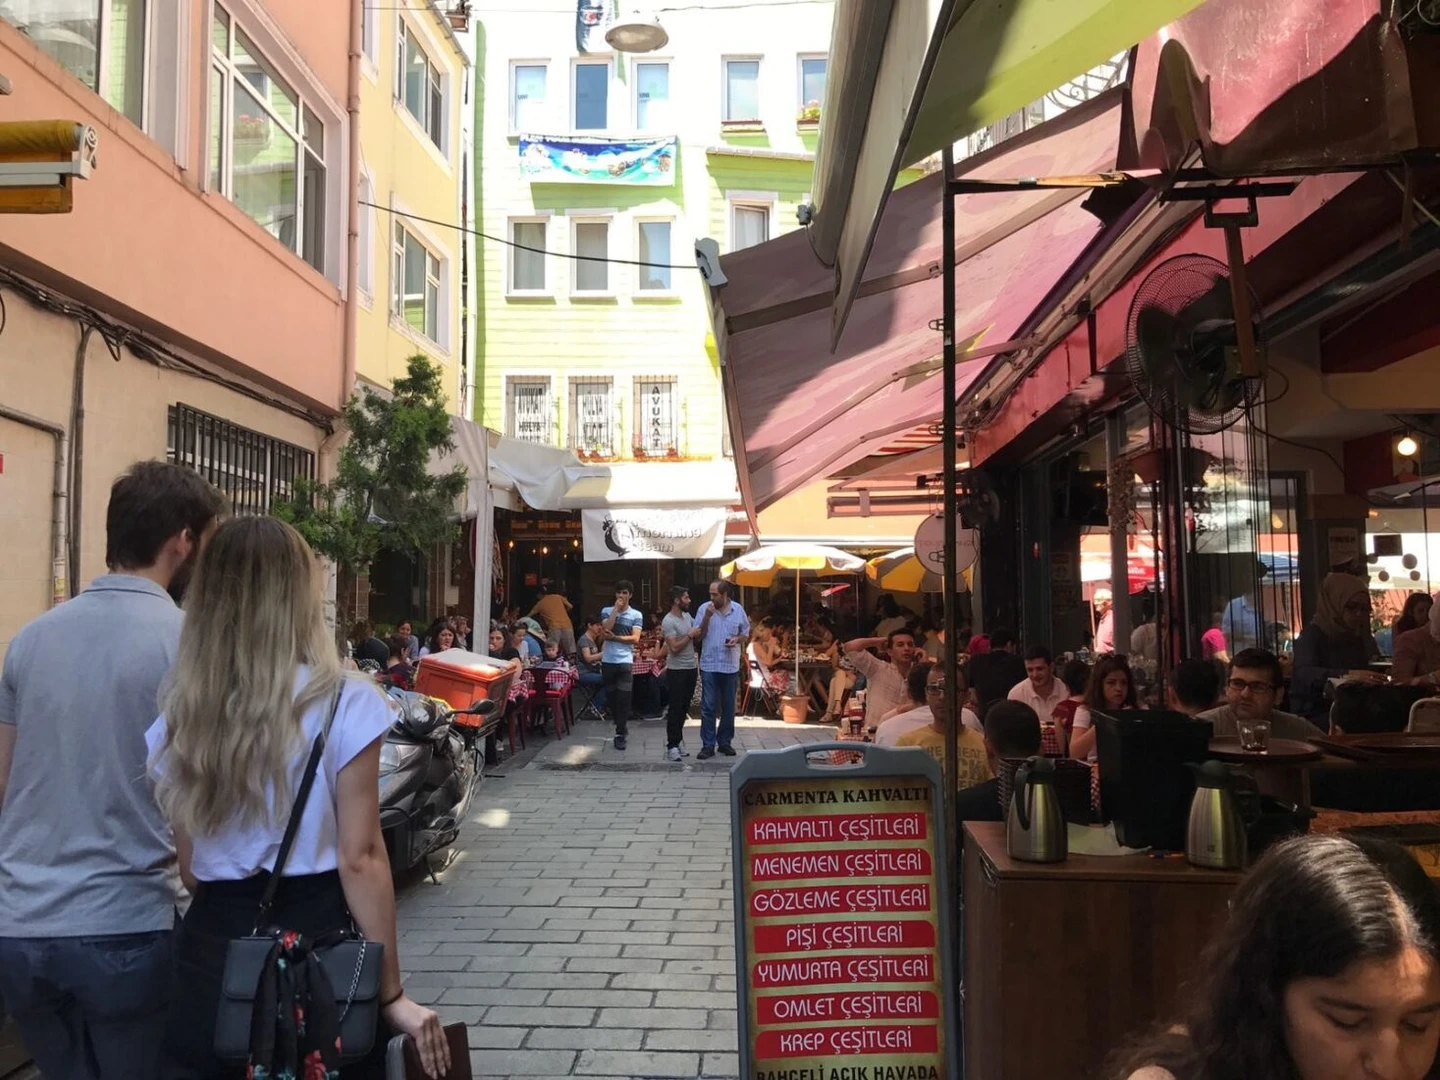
(620, 625)
(722, 629)
(87, 900)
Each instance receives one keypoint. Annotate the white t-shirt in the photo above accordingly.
(237, 853)
(888, 733)
(1044, 707)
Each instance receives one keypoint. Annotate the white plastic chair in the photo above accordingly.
(1424, 717)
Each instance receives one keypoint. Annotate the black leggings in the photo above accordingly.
(313, 904)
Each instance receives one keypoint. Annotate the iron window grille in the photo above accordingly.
(251, 470)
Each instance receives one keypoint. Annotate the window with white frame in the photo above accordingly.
(592, 415)
(653, 248)
(101, 42)
(742, 90)
(592, 96)
(267, 148)
(592, 252)
(527, 256)
(419, 86)
(367, 235)
(812, 82)
(652, 95)
(529, 414)
(657, 416)
(415, 284)
(369, 33)
(527, 97)
(749, 224)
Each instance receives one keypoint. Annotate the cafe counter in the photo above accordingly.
(1065, 962)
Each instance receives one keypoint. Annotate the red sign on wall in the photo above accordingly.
(839, 926)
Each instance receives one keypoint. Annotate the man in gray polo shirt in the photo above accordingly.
(87, 901)
(682, 668)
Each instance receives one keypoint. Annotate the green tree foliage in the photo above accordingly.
(383, 497)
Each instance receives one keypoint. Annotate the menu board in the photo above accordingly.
(839, 928)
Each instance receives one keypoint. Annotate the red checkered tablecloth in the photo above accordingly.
(522, 686)
(646, 666)
(560, 680)
(1049, 741)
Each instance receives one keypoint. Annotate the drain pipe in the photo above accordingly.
(60, 497)
(352, 216)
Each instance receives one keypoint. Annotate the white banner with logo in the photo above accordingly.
(622, 533)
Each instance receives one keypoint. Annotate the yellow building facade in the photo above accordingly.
(414, 94)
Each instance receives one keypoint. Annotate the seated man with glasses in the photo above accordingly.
(925, 681)
(973, 766)
(1251, 691)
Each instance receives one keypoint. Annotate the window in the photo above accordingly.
(529, 414)
(749, 225)
(267, 149)
(367, 236)
(812, 82)
(252, 470)
(527, 104)
(654, 247)
(592, 246)
(742, 90)
(418, 85)
(592, 97)
(652, 96)
(527, 258)
(415, 284)
(592, 416)
(369, 32)
(100, 42)
(657, 426)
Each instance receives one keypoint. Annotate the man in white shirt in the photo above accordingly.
(1041, 690)
(926, 680)
(884, 680)
(1105, 628)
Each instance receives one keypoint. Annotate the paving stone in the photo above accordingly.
(522, 1062)
(613, 964)
(548, 1038)
(663, 983)
(635, 1063)
(571, 980)
(720, 1065)
(680, 1039)
(652, 1018)
(691, 999)
(498, 996)
(484, 1036)
(547, 1015)
(618, 998)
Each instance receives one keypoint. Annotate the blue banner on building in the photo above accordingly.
(647, 162)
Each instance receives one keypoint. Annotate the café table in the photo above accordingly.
(647, 673)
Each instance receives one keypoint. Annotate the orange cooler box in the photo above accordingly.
(462, 678)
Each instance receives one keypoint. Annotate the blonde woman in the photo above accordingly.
(253, 685)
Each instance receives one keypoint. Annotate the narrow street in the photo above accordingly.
(586, 929)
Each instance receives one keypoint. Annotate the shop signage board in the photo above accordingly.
(930, 544)
(842, 942)
(617, 533)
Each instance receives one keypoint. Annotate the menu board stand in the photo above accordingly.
(843, 957)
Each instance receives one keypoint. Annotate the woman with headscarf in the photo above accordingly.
(1337, 642)
(1417, 652)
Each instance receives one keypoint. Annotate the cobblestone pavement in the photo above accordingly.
(586, 927)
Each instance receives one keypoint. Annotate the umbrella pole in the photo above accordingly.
(796, 643)
(947, 587)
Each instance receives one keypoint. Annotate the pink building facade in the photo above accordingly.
(193, 303)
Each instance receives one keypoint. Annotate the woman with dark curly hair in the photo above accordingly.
(1328, 969)
(1111, 687)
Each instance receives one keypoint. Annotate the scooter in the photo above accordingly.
(429, 768)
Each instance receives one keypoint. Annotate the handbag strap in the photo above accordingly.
(307, 781)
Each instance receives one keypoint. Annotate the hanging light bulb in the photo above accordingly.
(1407, 447)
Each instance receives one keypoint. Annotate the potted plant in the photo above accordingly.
(809, 116)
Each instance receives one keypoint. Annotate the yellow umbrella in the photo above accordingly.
(760, 567)
(901, 571)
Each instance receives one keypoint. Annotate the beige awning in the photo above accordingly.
(909, 77)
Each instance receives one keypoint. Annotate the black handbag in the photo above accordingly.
(351, 965)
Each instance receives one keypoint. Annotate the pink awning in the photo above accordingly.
(797, 411)
(1263, 86)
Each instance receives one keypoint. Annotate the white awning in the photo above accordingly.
(655, 485)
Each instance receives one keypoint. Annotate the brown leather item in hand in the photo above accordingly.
(402, 1059)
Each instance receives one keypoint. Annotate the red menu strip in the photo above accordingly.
(838, 899)
(835, 828)
(867, 862)
(822, 970)
(851, 1005)
(887, 1039)
(879, 933)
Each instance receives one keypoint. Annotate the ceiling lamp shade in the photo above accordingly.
(637, 32)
